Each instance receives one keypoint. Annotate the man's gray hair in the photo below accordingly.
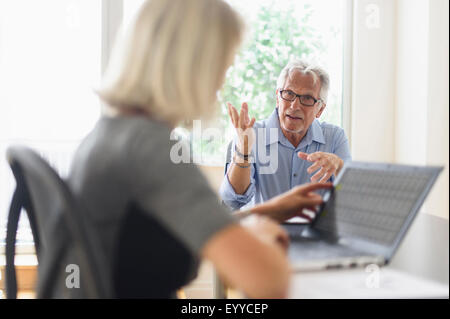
(306, 68)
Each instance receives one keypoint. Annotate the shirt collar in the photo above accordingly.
(314, 133)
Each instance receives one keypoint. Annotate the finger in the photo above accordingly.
(311, 202)
(307, 188)
(230, 106)
(252, 122)
(319, 174)
(326, 177)
(230, 110)
(323, 163)
(313, 195)
(315, 209)
(235, 116)
(245, 108)
(302, 155)
(242, 117)
(314, 156)
(314, 167)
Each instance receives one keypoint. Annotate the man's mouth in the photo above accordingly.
(292, 117)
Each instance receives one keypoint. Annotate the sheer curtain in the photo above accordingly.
(50, 61)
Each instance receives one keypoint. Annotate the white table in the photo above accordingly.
(357, 283)
(419, 269)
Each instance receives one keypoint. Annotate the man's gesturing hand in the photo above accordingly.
(244, 127)
(327, 164)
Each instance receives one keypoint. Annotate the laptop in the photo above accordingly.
(364, 216)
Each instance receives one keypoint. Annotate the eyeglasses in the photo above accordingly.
(306, 100)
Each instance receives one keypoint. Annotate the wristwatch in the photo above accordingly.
(244, 156)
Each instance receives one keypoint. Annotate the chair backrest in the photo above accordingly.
(227, 162)
(61, 232)
(228, 158)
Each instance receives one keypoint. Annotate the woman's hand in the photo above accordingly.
(266, 230)
(293, 203)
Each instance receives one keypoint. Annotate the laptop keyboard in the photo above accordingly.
(372, 205)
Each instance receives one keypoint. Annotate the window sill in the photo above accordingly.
(26, 271)
(21, 249)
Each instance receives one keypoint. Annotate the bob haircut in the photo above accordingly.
(172, 60)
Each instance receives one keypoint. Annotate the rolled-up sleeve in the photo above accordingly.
(342, 147)
(230, 198)
(226, 191)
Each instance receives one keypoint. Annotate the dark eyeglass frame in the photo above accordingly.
(299, 96)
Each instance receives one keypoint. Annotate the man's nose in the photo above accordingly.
(296, 103)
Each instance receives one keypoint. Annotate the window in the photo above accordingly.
(50, 61)
(279, 31)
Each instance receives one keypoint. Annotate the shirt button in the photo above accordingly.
(295, 175)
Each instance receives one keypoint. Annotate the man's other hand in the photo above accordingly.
(326, 164)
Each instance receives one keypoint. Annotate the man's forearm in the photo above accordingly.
(239, 175)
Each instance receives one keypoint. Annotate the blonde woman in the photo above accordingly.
(156, 219)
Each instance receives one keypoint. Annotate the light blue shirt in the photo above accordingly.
(283, 170)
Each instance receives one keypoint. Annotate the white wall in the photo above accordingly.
(400, 100)
(438, 103)
(412, 82)
(373, 89)
(422, 92)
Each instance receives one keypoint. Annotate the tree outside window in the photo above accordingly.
(279, 31)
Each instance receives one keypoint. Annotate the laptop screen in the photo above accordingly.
(374, 203)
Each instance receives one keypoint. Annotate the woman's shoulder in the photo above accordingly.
(134, 125)
(117, 142)
(132, 133)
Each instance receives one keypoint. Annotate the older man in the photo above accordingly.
(305, 149)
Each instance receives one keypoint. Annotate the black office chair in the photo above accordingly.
(228, 158)
(61, 233)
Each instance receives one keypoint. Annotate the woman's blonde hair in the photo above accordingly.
(173, 59)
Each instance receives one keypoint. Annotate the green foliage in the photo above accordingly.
(277, 36)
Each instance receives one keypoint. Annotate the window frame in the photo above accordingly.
(112, 14)
(347, 68)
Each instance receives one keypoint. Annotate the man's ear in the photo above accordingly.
(322, 107)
